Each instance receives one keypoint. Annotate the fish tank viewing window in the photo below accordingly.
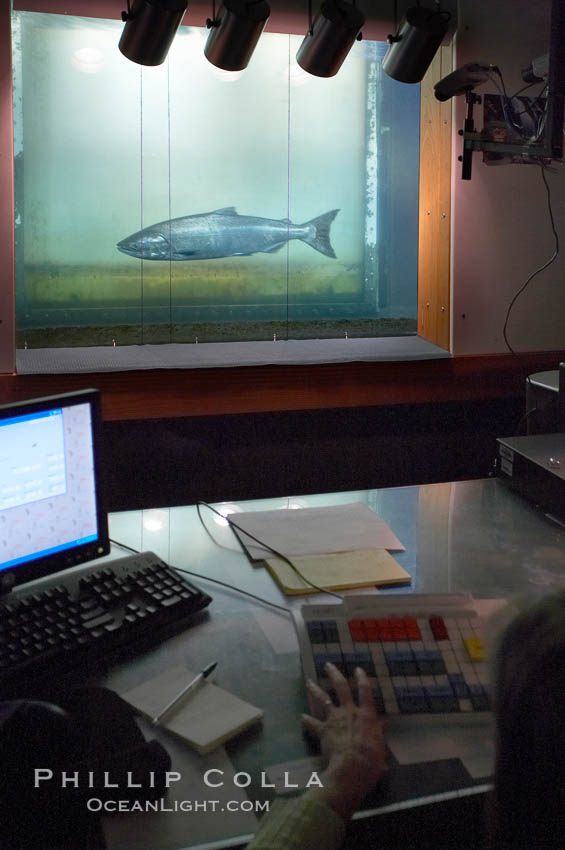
(188, 205)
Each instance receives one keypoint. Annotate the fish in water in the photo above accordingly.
(224, 233)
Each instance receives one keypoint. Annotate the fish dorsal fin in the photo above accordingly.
(226, 211)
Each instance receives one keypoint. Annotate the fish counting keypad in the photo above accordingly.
(418, 663)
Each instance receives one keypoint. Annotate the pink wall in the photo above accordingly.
(500, 226)
(286, 15)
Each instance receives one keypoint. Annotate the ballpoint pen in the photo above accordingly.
(192, 685)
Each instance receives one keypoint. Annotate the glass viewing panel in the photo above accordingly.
(298, 196)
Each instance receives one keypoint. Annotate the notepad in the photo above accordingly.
(338, 571)
(208, 717)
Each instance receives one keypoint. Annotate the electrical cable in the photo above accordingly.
(529, 280)
(541, 268)
(124, 546)
(508, 108)
(524, 416)
(527, 86)
(211, 536)
(208, 578)
(270, 548)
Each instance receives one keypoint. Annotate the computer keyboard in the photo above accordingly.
(85, 616)
(424, 654)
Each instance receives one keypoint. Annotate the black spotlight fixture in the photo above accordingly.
(235, 33)
(330, 37)
(415, 44)
(150, 26)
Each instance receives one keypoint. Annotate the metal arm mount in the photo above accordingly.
(473, 141)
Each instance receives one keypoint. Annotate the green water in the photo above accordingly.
(105, 148)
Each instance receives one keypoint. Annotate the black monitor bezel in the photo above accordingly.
(67, 558)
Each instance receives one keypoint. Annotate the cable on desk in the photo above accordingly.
(124, 546)
(213, 580)
(211, 536)
(237, 589)
(265, 546)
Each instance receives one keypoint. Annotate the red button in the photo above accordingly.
(357, 631)
(412, 628)
(438, 628)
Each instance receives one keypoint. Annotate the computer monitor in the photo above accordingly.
(51, 509)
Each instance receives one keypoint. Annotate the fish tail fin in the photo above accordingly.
(318, 235)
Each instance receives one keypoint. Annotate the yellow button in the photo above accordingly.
(475, 648)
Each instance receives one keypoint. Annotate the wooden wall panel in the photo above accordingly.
(435, 206)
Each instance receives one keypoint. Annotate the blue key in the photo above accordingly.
(459, 685)
(359, 659)
(331, 633)
(336, 658)
(379, 701)
(315, 631)
(401, 663)
(439, 690)
(441, 698)
(411, 700)
(430, 662)
(319, 662)
(479, 698)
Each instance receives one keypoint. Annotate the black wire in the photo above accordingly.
(233, 587)
(524, 417)
(124, 546)
(541, 268)
(531, 277)
(211, 536)
(507, 102)
(528, 86)
(213, 580)
(270, 548)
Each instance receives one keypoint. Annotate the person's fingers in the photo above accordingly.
(320, 696)
(340, 684)
(364, 690)
(311, 724)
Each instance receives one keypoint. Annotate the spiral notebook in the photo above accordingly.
(207, 718)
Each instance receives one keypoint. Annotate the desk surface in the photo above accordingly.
(466, 536)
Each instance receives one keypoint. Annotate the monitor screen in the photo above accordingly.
(51, 511)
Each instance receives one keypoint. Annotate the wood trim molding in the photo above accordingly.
(172, 393)
(434, 246)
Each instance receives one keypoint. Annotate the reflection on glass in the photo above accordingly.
(175, 204)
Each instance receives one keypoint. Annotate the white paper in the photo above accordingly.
(310, 531)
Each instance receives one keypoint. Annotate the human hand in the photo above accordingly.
(351, 738)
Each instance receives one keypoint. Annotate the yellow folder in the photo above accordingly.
(338, 571)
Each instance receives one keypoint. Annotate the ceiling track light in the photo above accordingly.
(234, 34)
(150, 27)
(415, 44)
(330, 37)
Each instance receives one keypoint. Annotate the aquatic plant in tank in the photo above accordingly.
(182, 203)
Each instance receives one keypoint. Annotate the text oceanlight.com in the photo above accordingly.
(212, 778)
(95, 804)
